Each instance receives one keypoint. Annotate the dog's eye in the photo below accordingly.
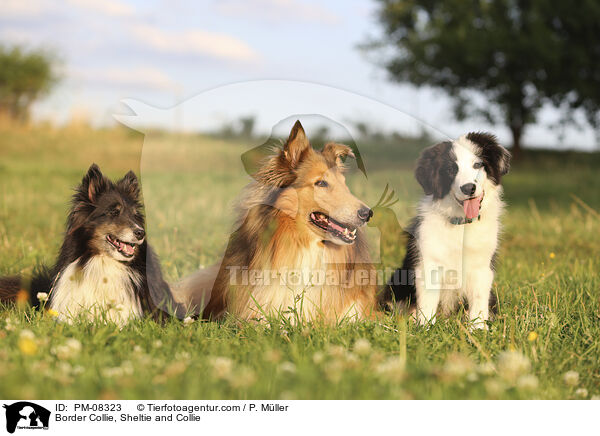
(114, 211)
(321, 184)
(478, 165)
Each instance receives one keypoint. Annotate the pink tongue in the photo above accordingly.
(335, 226)
(472, 207)
(127, 249)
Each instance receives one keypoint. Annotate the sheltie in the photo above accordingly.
(298, 249)
(105, 267)
(453, 240)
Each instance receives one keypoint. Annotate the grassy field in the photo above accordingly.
(544, 343)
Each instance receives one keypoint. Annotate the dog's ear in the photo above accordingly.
(336, 153)
(496, 159)
(91, 187)
(296, 146)
(436, 169)
(129, 183)
(93, 184)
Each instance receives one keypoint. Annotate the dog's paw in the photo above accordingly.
(479, 325)
(424, 322)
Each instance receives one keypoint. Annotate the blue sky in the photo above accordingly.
(164, 52)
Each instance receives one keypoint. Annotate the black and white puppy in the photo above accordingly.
(453, 240)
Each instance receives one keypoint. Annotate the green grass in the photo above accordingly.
(547, 281)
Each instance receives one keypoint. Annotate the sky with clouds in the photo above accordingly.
(164, 52)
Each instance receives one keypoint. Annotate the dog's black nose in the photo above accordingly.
(468, 188)
(365, 214)
(139, 233)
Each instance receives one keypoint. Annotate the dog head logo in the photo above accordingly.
(26, 415)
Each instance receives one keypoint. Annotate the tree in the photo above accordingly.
(247, 126)
(576, 78)
(24, 77)
(510, 52)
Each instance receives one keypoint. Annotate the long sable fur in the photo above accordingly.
(260, 225)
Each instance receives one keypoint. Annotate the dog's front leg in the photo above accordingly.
(427, 304)
(479, 297)
(428, 286)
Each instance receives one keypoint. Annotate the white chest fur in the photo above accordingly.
(102, 289)
(310, 287)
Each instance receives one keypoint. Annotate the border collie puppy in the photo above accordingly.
(453, 240)
(105, 270)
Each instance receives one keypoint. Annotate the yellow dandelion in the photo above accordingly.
(53, 313)
(552, 255)
(532, 336)
(27, 346)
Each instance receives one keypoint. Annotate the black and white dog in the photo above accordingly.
(453, 240)
(105, 268)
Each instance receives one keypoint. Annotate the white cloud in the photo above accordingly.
(15, 35)
(35, 8)
(112, 8)
(278, 10)
(144, 77)
(20, 8)
(194, 42)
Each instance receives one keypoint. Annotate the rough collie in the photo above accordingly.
(299, 248)
(105, 267)
(453, 240)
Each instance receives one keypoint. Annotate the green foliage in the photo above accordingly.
(517, 54)
(24, 77)
(573, 81)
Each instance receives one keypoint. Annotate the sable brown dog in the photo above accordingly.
(299, 248)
